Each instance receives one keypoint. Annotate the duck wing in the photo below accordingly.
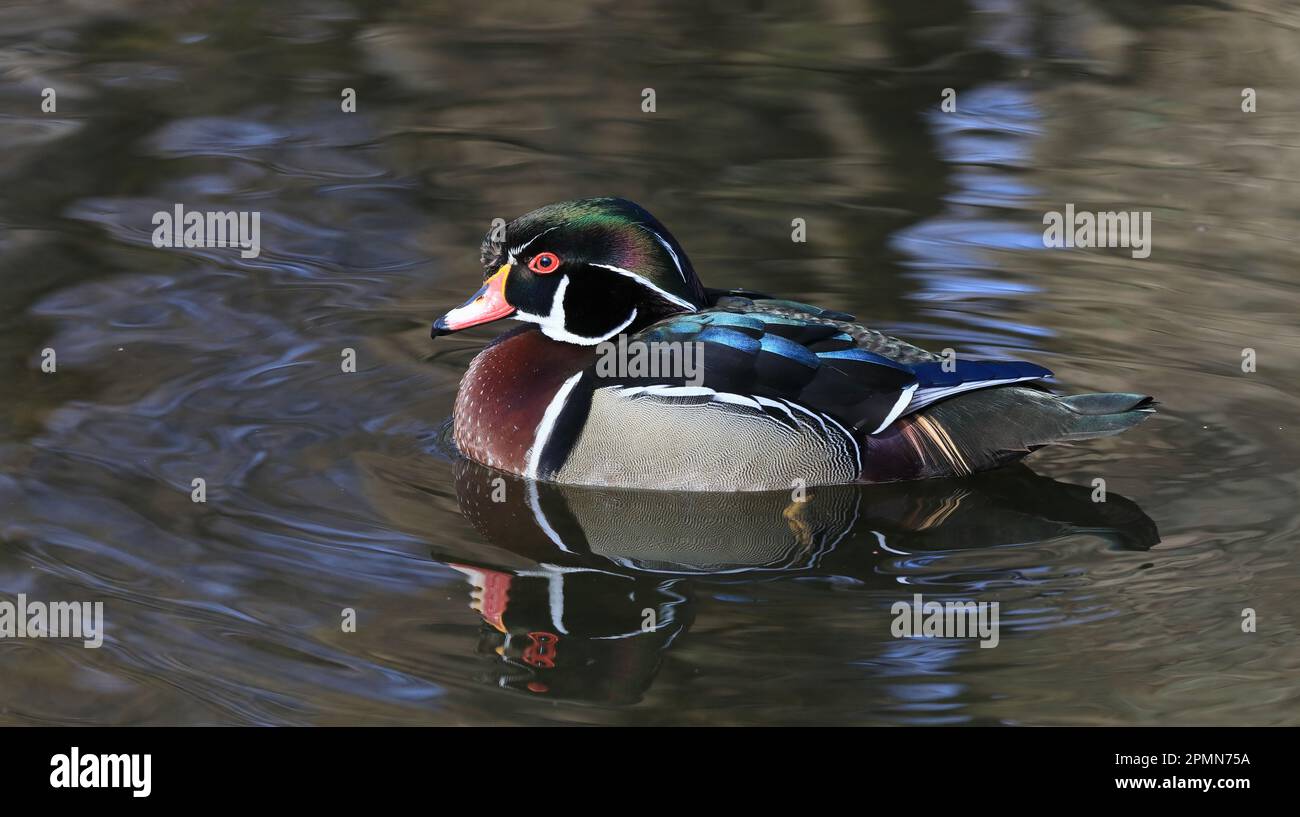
(781, 356)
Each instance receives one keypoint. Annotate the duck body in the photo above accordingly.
(782, 394)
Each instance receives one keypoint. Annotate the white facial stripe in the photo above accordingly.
(547, 425)
(685, 304)
(524, 245)
(668, 247)
(552, 324)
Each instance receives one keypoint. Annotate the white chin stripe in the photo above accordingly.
(553, 325)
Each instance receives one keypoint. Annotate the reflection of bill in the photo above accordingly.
(573, 633)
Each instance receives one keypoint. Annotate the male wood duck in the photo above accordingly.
(787, 395)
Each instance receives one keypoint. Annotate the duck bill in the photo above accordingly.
(487, 305)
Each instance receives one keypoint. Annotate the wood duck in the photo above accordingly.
(782, 394)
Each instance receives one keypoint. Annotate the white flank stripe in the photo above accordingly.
(822, 418)
(810, 413)
(903, 400)
(857, 449)
(738, 399)
(927, 396)
(765, 401)
(665, 390)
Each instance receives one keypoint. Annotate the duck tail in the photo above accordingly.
(984, 429)
(1102, 415)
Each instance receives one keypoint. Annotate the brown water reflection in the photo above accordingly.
(330, 490)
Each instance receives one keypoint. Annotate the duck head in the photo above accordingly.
(583, 271)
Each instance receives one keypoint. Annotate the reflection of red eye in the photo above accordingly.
(545, 262)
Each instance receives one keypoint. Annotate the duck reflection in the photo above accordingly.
(588, 587)
(576, 633)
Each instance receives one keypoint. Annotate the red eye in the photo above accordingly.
(544, 262)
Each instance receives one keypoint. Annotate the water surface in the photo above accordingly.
(330, 490)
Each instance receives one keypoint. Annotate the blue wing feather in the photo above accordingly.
(760, 353)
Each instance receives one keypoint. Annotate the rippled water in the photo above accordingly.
(330, 490)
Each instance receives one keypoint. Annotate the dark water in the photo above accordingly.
(330, 490)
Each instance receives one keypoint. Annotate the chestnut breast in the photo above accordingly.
(505, 392)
